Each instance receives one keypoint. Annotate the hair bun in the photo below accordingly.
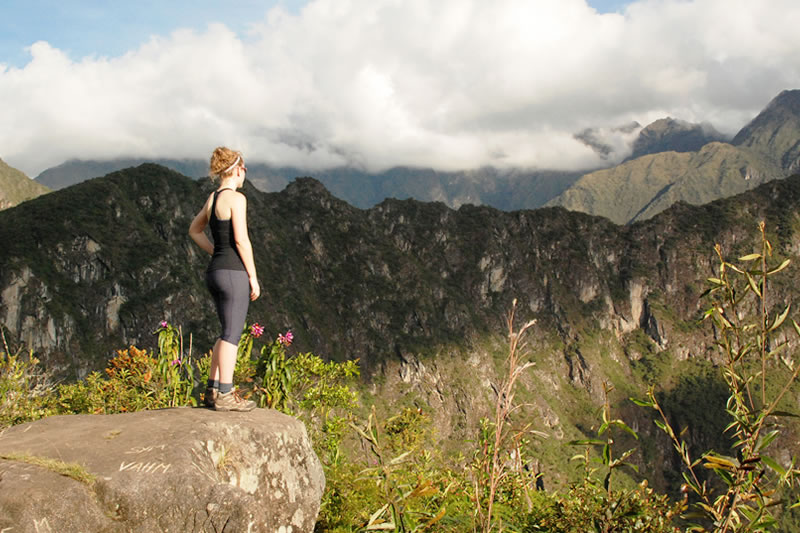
(223, 160)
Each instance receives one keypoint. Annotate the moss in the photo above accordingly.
(70, 470)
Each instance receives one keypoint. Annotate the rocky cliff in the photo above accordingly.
(417, 291)
(96, 266)
(190, 470)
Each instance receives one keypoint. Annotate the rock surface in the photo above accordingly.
(171, 470)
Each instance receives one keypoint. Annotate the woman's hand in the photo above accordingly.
(255, 290)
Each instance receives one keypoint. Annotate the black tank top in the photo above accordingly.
(225, 256)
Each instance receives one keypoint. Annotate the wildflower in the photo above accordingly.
(287, 339)
(256, 330)
(163, 324)
(176, 362)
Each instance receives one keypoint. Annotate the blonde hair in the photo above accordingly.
(223, 162)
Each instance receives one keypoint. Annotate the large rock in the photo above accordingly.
(172, 470)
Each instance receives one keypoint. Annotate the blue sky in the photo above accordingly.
(111, 28)
(449, 84)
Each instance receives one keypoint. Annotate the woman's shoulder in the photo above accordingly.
(231, 198)
(231, 193)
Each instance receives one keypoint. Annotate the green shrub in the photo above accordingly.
(25, 389)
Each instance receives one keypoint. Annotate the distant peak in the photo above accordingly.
(306, 185)
(788, 99)
(775, 129)
(674, 135)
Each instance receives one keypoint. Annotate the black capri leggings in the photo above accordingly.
(231, 292)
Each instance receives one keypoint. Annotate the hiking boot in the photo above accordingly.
(210, 397)
(232, 401)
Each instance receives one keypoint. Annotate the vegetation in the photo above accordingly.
(16, 187)
(70, 470)
(385, 473)
(752, 482)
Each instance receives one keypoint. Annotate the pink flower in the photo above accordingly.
(163, 324)
(256, 330)
(176, 362)
(287, 339)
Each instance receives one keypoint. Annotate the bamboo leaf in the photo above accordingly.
(665, 428)
(690, 483)
(399, 458)
(779, 320)
(361, 432)
(376, 515)
(773, 464)
(725, 475)
(716, 461)
(781, 267)
(622, 425)
(766, 440)
(752, 282)
(641, 403)
(750, 257)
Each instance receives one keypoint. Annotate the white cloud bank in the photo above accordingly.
(450, 84)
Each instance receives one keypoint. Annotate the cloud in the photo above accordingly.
(450, 84)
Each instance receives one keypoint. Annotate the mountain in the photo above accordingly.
(672, 160)
(504, 189)
(78, 170)
(643, 187)
(16, 187)
(95, 266)
(775, 132)
(416, 291)
(672, 135)
(766, 149)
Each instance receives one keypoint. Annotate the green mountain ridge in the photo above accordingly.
(776, 131)
(416, 291)
(638, 188)
(767, 148)
(643, 187)
(16, 187)
(447, 273)
(505, 189)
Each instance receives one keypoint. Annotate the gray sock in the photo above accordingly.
(225, 388)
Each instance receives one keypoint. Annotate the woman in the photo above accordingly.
(231, 274)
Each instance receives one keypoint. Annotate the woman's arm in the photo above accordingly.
(196, 229)
(243, 246)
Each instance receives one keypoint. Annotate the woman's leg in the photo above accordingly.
(213, 370)
(226, 360)
(233, 301)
